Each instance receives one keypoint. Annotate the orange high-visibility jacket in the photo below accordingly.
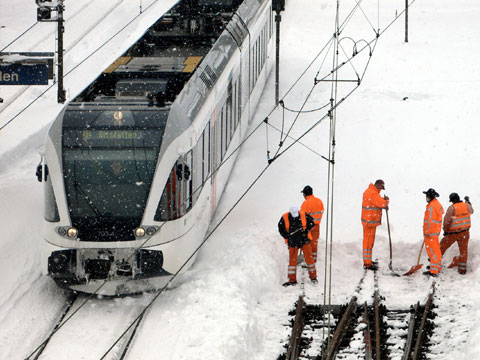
(457, 218)
(314, 207)
(432, 222)
(303, 218)
(372, 206)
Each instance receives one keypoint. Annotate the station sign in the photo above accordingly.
(23, 74)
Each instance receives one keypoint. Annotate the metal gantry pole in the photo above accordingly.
(277, 6)
(406, 20)
(278, 18)
(60, 91)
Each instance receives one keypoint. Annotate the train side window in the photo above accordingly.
(176, 198)
(206, 152)
(229, 112)
(197, 169)
(237, 105)
(251, 69)
(185, 167)
(234, 106)
(264, 41)
(258, 57)
(50, 203)
(254, 64)
(167, 208)
(218, 137)
(224, 131)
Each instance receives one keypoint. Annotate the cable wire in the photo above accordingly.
(19, 36)
(81, 62)
(334, 106)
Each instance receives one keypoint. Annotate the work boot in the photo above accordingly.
(370, 267)
(428, 273)
(314, 281)
(462, 272)
(454, 262)
(289, 283)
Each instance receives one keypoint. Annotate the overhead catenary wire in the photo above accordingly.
(296, 140)
(330, 184)
(334, 106)
(19, 36)
(366, 17)
(337, 67)
(282, 104)
(96, 291)
(80, 63)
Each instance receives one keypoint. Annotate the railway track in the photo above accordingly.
(70, 301)
(360, 330)
(118, 351)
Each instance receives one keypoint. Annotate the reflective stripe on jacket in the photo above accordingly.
(432, 222)
(372, 206)
(303, 218)
(460, 221)
(314, 207)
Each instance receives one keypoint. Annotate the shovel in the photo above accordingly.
(418, 266)
(390, 241)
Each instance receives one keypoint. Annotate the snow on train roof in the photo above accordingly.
(85, 61)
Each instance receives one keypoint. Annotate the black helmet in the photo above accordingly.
(307, 190)
(454, 197)
(431, 193)
(380, 183)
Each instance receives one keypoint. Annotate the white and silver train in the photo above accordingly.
(131, 167)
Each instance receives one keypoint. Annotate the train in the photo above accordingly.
(133, 167)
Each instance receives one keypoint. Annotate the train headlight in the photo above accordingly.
(151, 230)
(62, 231)
(72, 232)
(139, 232)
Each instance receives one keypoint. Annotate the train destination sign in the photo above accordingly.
(23, 74)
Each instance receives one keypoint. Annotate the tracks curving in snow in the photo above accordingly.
(358, 330)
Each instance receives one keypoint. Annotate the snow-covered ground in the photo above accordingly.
(412, 122)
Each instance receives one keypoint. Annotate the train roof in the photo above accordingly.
(155, 69)
(176, 63)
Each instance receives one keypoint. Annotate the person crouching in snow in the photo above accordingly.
(294, 226)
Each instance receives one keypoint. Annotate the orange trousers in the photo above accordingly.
(315, 233)
(462, 240)
(368, 242)
(292, 264)
(432, 245)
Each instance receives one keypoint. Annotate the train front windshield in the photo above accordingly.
(108, 167)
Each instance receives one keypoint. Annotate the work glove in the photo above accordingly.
(467, 199)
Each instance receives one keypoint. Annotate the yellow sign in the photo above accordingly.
(110, 135)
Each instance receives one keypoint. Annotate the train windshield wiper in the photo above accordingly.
(87, 199)
(79, 189)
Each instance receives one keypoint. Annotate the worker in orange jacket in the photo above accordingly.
(314, 207)
(294, 226)
(432, 226)
(372, 206)
(456, 227)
